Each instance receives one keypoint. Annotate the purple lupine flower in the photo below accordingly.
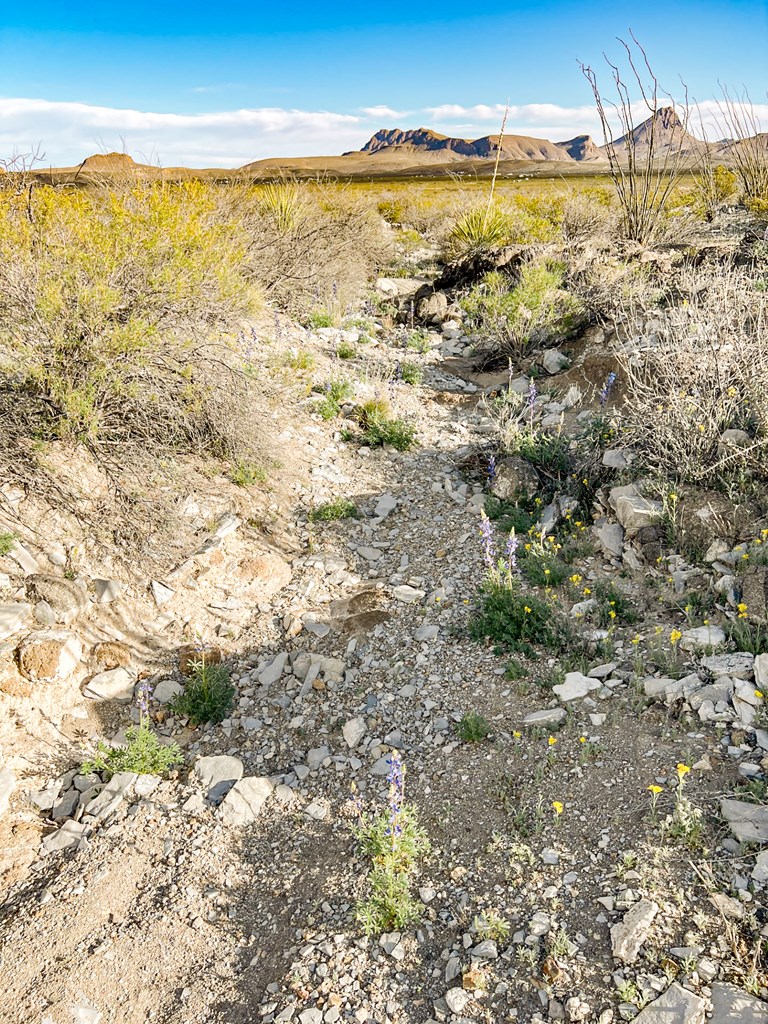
(396, 780)
(606, 388)
(492, 470)
(511, 551)
(489, 546)
(143, 697)
(532, 395)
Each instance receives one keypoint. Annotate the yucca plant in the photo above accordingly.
(283, 201)
(480, 229)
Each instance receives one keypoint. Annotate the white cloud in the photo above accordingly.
(384, 113)
(68, 132)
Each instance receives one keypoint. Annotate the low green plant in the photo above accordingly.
(299, 359)
(685, 823)
(346, 350)
(548, 452)
(750, 636)
(480, 230)
(334, 393)
(320, 318)
(418, 339)
(394, 842)
(208, 694)
(142, 753)
(7, 541)
(329, 511)
(516, 621)
(515, 318)
(613, 606)
(539, 561)
(491, 925)
(246, 474)
(473, 727)
(411, 373)
(380, 431)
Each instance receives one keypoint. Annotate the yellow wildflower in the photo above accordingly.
(587, 591)
(552, 741)
(758, 693)
(655, 789)
(674, 636)
(557, 807)
(527, 610)
(682, 770)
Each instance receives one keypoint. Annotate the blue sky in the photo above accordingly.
(193, 83)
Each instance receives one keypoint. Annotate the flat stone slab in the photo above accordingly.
(731, 1005)
(218, 774)
(409, 594)
(748, 822)
(549, 716)
(244, 801)
(575, 687)
(630, 933)
(116, 684)
(12, 618)
(69, 835)
(737, 665)
(702, 636)
(676, 1006)
(110, 798)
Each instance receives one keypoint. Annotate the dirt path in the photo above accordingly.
(169, 914)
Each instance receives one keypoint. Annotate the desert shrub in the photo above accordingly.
(321, 256)
(418, 340)
(517, 621)
(392, 209)
(346, 350)
(108, 299)
(713, 186)
(208, 694)
(7, 541)
(479, 230)
(319, 318)
(522, 220)
(704, 372)
(588, 213)
(516, 319)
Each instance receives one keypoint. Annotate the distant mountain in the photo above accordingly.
(664, 133)
(424, 140)
(421, 152)
(583, 147)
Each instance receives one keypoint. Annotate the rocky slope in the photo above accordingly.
(227, 892)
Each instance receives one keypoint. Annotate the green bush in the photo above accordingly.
(320, 318)
(411, 373)
(7, 541)
(516, 318)
(105, 297)
(246, 474)
(346, 350)
(335, 392)
(418, 340)
(379, 431)
(208, 694)
(329, 511)
(143, 753)
(518, 622)
(473, 727)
